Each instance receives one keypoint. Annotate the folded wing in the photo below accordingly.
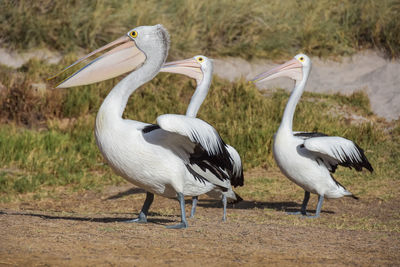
(334, 150)
(210, 160)
(237, 173)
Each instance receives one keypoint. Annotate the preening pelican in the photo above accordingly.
(180, 156)
(200, 68)
(308, 159)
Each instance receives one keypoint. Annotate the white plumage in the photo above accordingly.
(200, 68)
(308, 159)
(198, 131)
(334, 147)
(162, 159)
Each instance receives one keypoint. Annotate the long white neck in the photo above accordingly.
(288, 114)
(114, 104)
(199, 95)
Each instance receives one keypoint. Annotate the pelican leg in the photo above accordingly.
(303, 210)
(194, 205)
(224, 202)
(145, 209)
(183, 223)
(319, 206)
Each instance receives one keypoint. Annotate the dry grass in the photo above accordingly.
(245, 28)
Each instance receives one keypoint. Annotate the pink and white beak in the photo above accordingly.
(189, 67)
(292, 69)
(122, 58)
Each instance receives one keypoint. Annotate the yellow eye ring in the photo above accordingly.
(133, 34)
(200, 59)
(301, 59)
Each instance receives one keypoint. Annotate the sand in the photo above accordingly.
(368, 71)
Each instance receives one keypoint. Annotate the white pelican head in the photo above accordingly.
(126, 54)
(295, 69)
(199, 68)
(196, 67)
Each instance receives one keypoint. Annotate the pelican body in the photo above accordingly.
(308, 159)
(200, 68)
(179, 156)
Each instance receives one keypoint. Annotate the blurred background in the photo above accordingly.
(244, 28)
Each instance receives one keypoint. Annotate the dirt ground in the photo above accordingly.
(86, 228)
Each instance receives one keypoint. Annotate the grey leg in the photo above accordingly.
(303, 206)
(194, 204)
(319, 206)
(224, 201)
(183, 223)
(145, 209)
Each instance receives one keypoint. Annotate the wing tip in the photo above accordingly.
(364, 161)
(369, 167)
(238, 198)
(238, 180)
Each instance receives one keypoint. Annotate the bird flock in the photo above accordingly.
(182, 155)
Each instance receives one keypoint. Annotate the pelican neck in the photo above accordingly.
(114, 104)
(288, 114)
(199, 95)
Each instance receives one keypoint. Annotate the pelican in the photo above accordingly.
(308, 159)
(179, 156)
(200, 68)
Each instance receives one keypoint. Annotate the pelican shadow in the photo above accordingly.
(131, 191)
(90, 219)
(286, 206)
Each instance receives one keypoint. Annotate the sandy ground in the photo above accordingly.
(368, 71)
(86, 228)
(14, 59)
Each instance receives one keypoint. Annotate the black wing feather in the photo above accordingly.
(306, 135)
(149, 128)
(351, 162)
(343, 158)
(219, 165)
(238, 180)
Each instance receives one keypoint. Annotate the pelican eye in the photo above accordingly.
(200, 59)
(133, 34)
(301, 59)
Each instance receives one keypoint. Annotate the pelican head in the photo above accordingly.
(296, 69)
(125, 54)
(196, 67)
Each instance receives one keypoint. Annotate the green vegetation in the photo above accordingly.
(246, 28)
(46, 139)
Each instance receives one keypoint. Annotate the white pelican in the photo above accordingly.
(200, 68)
(308, 159)
(181, 156)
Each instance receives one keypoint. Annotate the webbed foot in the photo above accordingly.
(141, 219)
(181, 225)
